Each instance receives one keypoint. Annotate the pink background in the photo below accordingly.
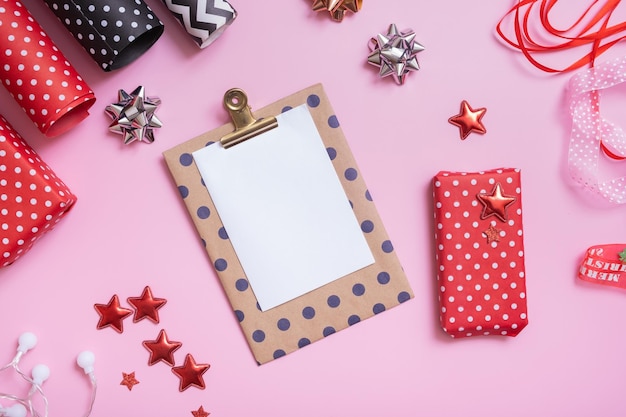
(130, 229)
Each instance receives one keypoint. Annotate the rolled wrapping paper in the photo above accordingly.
(37, 74)
(114, 32)
(32, 198)
(204, 20)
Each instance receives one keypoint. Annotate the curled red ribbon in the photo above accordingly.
(594, 29)
(591, 28)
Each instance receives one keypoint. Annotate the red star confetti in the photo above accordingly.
(112, 314)
(495, 204)
(492, 234)
(129, 380)
(190, 373)
(469, 120)
(146, 306)
(161, 349)
(200, 412)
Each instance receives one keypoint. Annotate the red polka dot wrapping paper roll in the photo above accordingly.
(32, 198)
(37, 74)
(114, 32)
(480, 252)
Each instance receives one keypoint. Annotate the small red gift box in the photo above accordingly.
(480, 252)
(32, 198)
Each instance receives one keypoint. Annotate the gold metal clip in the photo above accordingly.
(246, 126)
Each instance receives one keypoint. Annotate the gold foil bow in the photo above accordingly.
(337, 8)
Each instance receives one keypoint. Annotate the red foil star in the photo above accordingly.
(337, 8)
(161, 349)
(493, 234)
(112, 314)
(469, 120)
(200, 412)
(129, 380)
(146, 306)
(495, 204)
(190, 373)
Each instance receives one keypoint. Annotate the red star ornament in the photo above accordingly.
(200, 413)
(161, 349)
(492, 234)
(146, 306)
(190, 373)
(129, 380)
(495, 204)
(112, 314)
(469, 120)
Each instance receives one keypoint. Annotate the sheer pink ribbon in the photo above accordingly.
(592, 133)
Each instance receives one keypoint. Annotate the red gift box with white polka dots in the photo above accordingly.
(480, 252)
(32, 198)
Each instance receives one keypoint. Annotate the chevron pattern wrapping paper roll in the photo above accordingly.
(204, 20)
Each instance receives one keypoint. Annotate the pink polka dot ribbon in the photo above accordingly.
(591, 132)
(32, 198)
(37, 75)
(605, 265)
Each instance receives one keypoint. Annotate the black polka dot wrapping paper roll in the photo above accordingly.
(37, 75)
(114, 32)
(204, 20)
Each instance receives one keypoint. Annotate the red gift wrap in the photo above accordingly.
(480, 252)
(38, 75)
(32, 198)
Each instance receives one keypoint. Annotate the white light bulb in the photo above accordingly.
(85, 360)
(40, 373)
(26, 342)
(16, 410)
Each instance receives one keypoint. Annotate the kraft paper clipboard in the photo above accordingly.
(336, 305)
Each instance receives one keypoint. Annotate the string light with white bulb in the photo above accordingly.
(21, 407)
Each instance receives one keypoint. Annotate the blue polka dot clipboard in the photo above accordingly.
(346, 301)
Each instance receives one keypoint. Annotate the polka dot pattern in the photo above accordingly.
(32, 198)
(588, 124)
(480, 274)
(326, 310)
(37, 75)
(114, 32)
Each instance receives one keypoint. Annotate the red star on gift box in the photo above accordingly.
(129, 380)
(469, 120)
(112, 314)
(146, 306)
(492, 234)
(495, 204)
(200, 412)
(190, 373)
(161, 349)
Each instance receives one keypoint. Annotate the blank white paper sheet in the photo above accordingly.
(284, 209)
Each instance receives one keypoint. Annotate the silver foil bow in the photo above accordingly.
(134, 116)
(395, 53)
